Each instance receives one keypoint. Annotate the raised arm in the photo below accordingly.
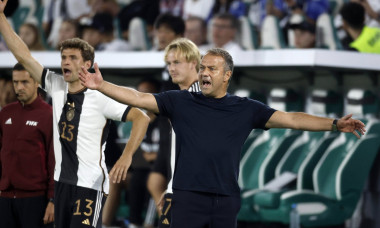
(304, 121)
(140, 122)
(121, 94)
(18, 47)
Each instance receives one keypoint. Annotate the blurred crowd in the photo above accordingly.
(133, 25)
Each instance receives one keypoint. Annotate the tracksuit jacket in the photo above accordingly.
(26, 155)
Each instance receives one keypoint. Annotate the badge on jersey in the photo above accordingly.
(71, 112)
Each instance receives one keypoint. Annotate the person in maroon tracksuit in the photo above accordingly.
(26, 157)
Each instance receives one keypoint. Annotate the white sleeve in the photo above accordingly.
(114, 110)
(51, 81)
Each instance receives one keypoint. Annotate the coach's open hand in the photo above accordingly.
(347, 124)
(91, 80)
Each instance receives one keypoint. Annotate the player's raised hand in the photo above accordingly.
(3, 3)
(91, 80)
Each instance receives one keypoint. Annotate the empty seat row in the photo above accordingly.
(330, 168)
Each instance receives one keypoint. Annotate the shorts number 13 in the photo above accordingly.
(88, 206)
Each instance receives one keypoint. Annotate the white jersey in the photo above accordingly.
(193, 88)
(80, 131)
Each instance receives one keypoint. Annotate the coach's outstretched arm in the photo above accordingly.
(304, 121)
(123, 95)
(18, 47)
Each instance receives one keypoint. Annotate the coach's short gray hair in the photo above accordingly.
(228, 61)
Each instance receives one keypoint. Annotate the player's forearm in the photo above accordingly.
(138, 131)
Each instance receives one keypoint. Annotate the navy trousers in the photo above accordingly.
(23, 212)
(204, 210)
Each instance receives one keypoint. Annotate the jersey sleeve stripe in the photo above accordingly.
(43, 77)
(124, 117)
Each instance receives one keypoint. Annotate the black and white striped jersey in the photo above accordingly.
(193, 88)
(80, 132)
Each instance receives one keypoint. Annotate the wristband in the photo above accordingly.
(334, 126)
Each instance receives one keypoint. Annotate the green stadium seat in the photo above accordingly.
(251, 94)
(339, 176)
(326, 34)
(335, 6)
(300, 159)
(323, 102)
(271, 34)
(363, 104)
(248, 36)
(304, 153)
(338, 181)
(249, 141)
(285, 100)
(294, 19)
(257, 166)
(19, 17)
(140, 40)
(256, 132)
